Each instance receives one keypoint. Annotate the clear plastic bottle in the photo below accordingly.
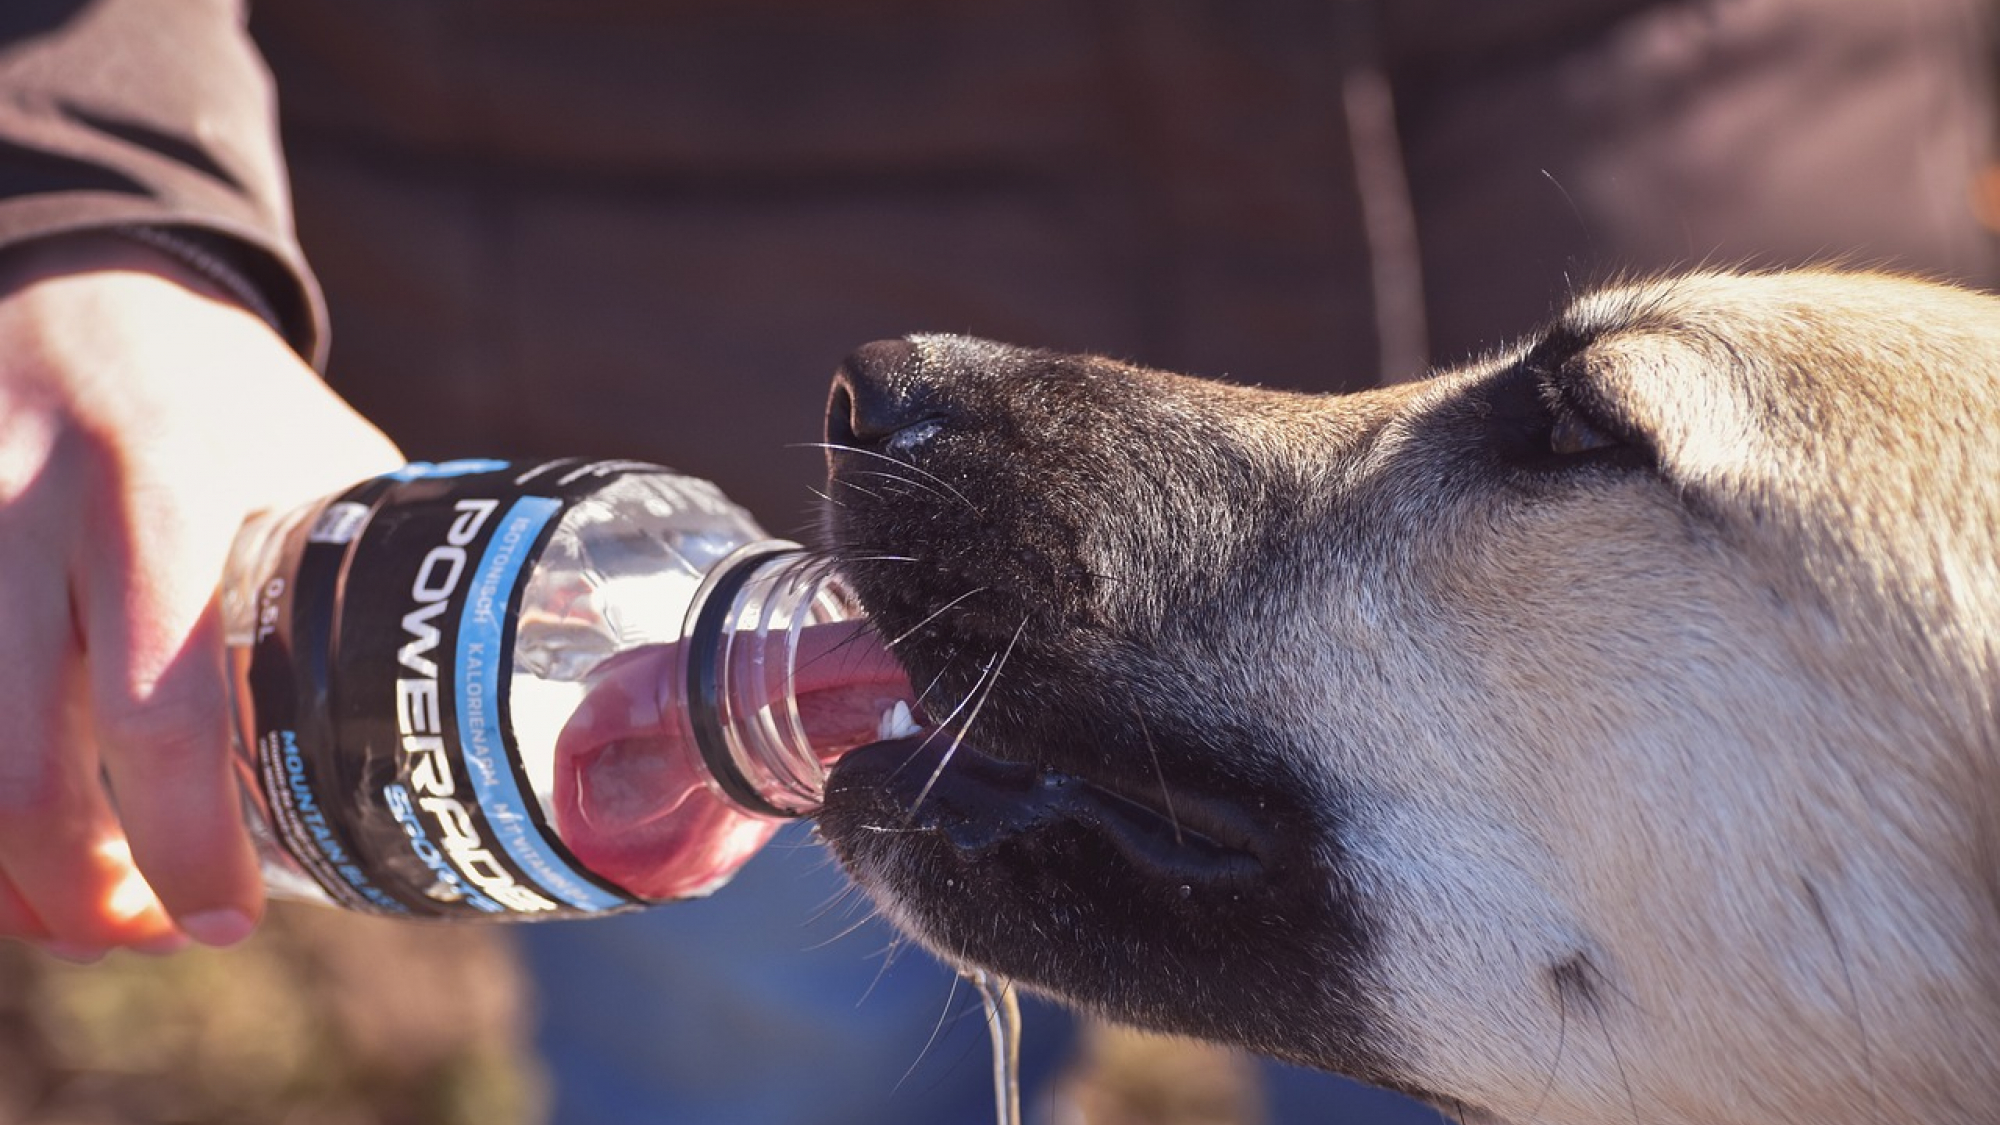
(483, 690)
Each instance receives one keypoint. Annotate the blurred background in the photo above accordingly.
(326, 1018)
(332, 1019)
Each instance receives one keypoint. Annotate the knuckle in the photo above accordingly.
(188, 720)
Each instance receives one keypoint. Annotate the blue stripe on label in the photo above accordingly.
(426, 470)
(481, 663)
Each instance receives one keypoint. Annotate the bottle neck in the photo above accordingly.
(743, 644)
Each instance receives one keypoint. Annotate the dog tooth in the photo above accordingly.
(897, 723)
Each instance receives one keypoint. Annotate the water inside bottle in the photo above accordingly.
(599, 690)
(1003, 1025)
(629, 796)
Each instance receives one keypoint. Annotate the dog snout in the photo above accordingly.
(879, 402)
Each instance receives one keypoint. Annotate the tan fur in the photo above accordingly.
(1666, 793)
(1802, 726)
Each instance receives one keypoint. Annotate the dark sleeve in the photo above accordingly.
(154, 114)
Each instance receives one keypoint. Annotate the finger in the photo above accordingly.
(16, 919)
(153, 636)
(157, 935)
(60, 847)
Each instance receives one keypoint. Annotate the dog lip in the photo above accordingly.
(977, 801)
(1160, 840)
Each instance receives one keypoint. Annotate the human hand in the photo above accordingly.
(143, 416)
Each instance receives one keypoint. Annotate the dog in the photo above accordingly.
(1604, 731)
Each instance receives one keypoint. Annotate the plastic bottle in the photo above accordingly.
(483, 690)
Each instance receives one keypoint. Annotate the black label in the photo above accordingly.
(380, 677)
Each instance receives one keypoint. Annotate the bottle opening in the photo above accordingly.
(784, 676)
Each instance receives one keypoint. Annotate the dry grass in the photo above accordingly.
(326, 1018)
(322, 1019)
(1130, 1078)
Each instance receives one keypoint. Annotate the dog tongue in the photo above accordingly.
(631, 802)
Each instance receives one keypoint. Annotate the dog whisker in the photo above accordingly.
(1819, 910)
(848, 931)
(1562, 1040)
(1581, 977)
(934, 615)
(925, 692)
(937, 1030)
(1561, 977)
(870, 493)
(1625, 1079)
(843, 899)
(1153, 752)
(901, 489)
(944, 727)
(897, 944)
(941, 482)
(856, 635)
(899, 478)
(992, 679)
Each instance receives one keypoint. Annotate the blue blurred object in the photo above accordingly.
(775, 1002)
(1297, 1096)
(778, 1002)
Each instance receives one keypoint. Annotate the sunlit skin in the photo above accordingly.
(146, 416)
(127, 908)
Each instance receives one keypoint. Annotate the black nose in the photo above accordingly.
(877, 398)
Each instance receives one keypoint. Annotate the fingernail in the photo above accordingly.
(73, 953)
(219, 928)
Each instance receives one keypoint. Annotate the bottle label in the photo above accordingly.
(380, 677)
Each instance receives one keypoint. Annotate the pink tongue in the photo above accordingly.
(846, 681)
(630, 799)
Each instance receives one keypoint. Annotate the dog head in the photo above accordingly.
(1606, 728)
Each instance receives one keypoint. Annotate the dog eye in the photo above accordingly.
(1534, 418)
(1572, 435)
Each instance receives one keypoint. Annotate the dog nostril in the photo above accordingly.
(840, 415)
(876, 396)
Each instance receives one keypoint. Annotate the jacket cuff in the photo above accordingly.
(268, 279)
